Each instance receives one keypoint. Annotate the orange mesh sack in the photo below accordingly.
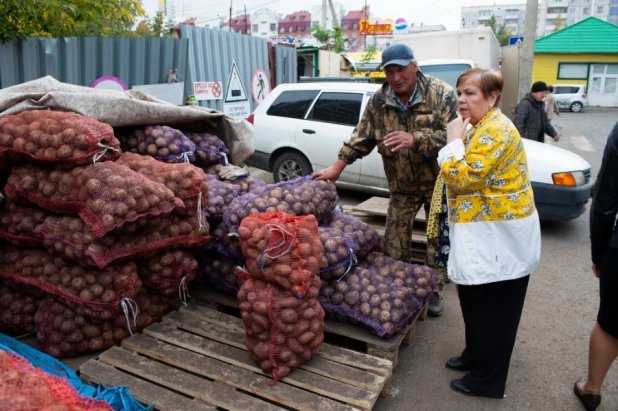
(282, 331)
(57, 138)
(17, 224)
(64, 333)
(27, 388)
(169, 273)
(96, 294)
(282, 249)
(17, 311)
(105, 195)
(70, 238)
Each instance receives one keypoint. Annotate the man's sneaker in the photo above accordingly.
(435, 305)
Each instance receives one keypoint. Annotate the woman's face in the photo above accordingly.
(472, 102)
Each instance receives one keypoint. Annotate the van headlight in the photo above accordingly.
(571, 179)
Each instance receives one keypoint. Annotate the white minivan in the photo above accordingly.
(301, 127)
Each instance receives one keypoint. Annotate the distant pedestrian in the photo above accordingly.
(603, 348)
(551, 106)
(530, 117)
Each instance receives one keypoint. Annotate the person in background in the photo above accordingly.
(494, 231)
(603, 348)
(551, 106)
(530, 117)
(406, 119)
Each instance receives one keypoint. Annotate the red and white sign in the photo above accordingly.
(207, 90)
(260, 85)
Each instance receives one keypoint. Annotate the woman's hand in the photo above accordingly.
(455, 129)
(596, 269)
(396, 140)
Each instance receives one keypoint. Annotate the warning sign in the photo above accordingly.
(235, 90)
(207, 90)
(260, 86)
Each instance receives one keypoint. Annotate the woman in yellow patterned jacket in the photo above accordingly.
(494, 231)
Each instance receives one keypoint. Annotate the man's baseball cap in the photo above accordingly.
(400, 54)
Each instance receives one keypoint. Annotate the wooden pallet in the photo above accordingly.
(348, 335)
(196, 359)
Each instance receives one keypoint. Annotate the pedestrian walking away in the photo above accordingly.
(494, 231)
(603, 347)
(406, 119)
(530, 116)
(551, 107)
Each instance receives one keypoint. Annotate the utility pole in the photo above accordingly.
(365, 13)
(230, 16)
(332, 11)
(246, 23)
(323, 22)
(525, 73)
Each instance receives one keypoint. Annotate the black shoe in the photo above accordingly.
(455, 364)
(435, 305)
(590, 400)
(458, 385)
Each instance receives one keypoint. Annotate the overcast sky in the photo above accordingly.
(428, 12)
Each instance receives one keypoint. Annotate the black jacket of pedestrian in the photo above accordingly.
(531, 120)
(603, 229)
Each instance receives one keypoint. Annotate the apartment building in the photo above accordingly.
(512, 16)
(316, 16)
(239, 24)
(350, 23)
(265, 23)
(297, 24)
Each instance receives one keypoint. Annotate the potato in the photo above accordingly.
(209, 150)
(164, 143)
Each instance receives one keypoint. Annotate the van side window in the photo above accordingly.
(292, 104)
(338, 108)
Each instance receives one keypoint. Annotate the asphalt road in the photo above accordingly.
(561, 305)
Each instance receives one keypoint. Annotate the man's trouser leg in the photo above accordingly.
(402, 209)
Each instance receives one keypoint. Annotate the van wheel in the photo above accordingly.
(290, 166)
(576, 107)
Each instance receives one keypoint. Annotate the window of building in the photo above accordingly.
(345, 26)
(573, 71)
(345, 34)
(302, 17)
(307, 27)
(550, 22)
(512, 13)
(315, 23)
(355, 34)
(290, 28)
(273, 26)
(570, 22)
(354, 26)
(586, 10)
(263, 22)
(556, 10)
(254, 27)
(297, 28)
(600, 10)
(337, 108)
(281, 29)
(485, 13)
(292, 104)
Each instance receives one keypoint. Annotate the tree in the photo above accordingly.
(67, 18)
(502, 33)
(155, 27)
(560, 24)
(333, 39)
(370, 53)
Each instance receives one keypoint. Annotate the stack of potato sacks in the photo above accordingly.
(278, 300)
(99, 242)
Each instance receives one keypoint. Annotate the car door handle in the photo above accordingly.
(308, 131)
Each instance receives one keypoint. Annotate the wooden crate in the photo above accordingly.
(344, 334)
(196, 359)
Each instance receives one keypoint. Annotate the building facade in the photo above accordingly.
(297, 24)
(239, 24)
(316, 16)
(350, 23)
(512, 16)
(265, 23)
(412, 29)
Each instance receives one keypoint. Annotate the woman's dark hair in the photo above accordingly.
(489, 81)
(551, 89)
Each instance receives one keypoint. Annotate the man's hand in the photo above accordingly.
(232, 172)
(596, 269)
(557, 138)
(397, 140)
(331, 173)
(455, 129)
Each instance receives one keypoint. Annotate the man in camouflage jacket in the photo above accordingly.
(406, 119)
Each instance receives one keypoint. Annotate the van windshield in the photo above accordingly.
(448, 73)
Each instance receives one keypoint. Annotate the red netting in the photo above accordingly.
(64, 333)
(161, 142)
(16, 310)
(57, 138)
(282, 249)
(24, 387)
(169, 273)
(94, 293)
(105, 195)
(17, 224)
(282, 331)
(70, 238)
(209, 149)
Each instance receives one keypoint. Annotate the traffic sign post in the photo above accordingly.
(236, 103)
(515, 39)
(260, 86)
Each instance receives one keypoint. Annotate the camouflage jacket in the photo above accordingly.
(411, 171)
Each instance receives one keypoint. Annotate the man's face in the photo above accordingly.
(539, 95)
(402, 79)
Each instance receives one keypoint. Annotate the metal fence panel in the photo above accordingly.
(287, 64)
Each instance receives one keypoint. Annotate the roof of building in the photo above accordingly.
(355, 14)
(296, 16)
(591, 35)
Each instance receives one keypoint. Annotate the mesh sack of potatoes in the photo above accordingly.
(96, 294)
(209, 149)
(220, 197)
(219, 271)
(161, 142)
(64, 333)
(338, 256)
(242, 185)
(105, 195)
(282, 249)
(186, 181)
(58, 138)
(226, 243)
(17, 224)
(363, 236)
(301, 197)
(17, 310)
(364, 296)
(70, 238)
(169, 273)
(282, 332)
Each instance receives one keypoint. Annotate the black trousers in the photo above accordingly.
(491, 315)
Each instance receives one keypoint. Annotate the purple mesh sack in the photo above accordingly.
(209, 149)
(300, 197)
(364, 237)
(226, 244)
(219, 198)
(161, 142)
(363, 296)
(219, 271)
(242, 185)
(338, 257)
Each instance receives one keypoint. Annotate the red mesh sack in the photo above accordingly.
(282, 331)
(282, 249)
(17, 311)
(161, 142)
(209, 149)
(57, 138)
(17, 224)
(27, 388)
(64, 333)
(94, 293)
(169, 273)
(219, 271)
(186, 181)
(105, 195)
(70, 238)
